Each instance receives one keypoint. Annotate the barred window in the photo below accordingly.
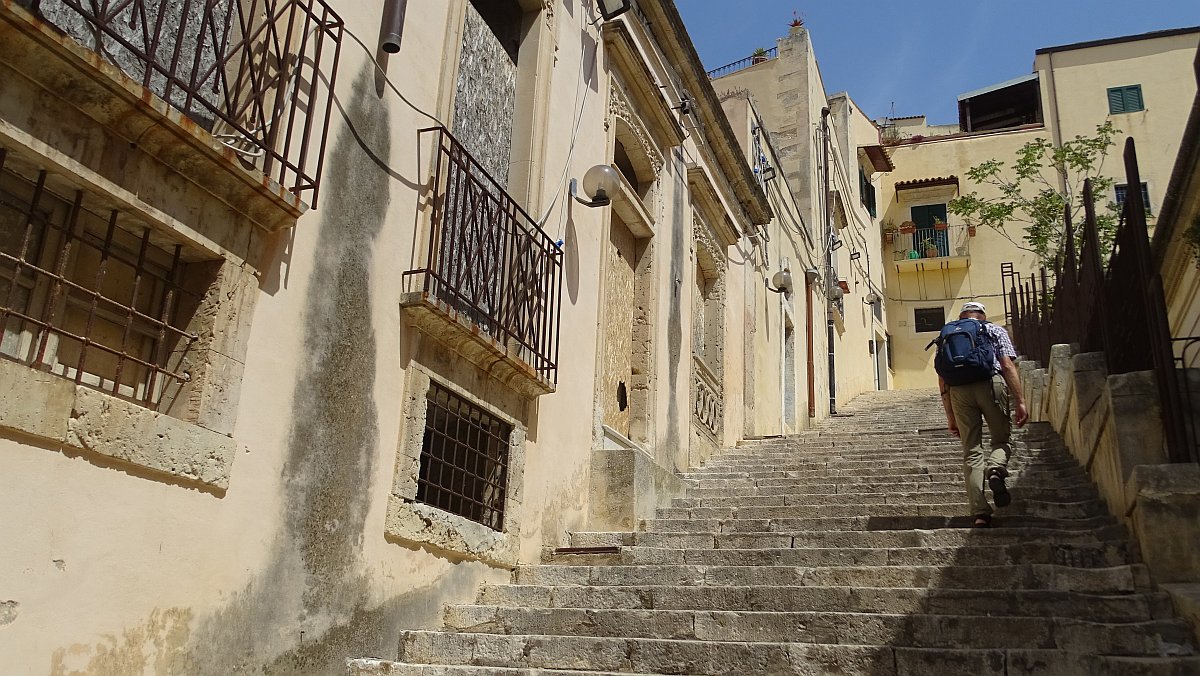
(464, 459)
(87, 293)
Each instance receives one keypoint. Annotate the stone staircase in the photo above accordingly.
(843, 550)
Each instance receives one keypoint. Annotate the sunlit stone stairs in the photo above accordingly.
(844, 550)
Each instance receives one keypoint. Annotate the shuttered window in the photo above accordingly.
(1127, 99)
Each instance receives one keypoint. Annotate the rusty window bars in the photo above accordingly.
(464, 459)
(249, 71)
(87, 295)
(490, 260)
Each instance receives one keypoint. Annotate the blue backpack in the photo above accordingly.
(965, 354)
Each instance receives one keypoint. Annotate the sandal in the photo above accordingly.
(982, 521)
(1000, 495)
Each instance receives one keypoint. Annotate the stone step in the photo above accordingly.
(879, 479)
(917, 629)
(660, 656)
(1115, 580)
(926, 496)
(946, 464)
(872, 474)
(884, 538)
(1113, 608)
(1098, 555)
(1049, 510)
(1079, 491)
(377, 667)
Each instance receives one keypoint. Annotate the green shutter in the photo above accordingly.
(1133, 98)
(1116, 100)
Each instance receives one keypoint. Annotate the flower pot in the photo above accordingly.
(940, 225)
(931, 252)
(971, 230)
(899, 255)
(908, 229)
(757, 59)
(889, 236)
(912, 254)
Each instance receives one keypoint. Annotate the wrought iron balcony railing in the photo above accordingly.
(258, 74)
(489, 260)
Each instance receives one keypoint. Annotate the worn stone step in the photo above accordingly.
(1115, 580)
(879, 479)
(1099, 555)
(949, 463)
(1044, 491)
(951, 495)
(883, 538)
(914, 629)
(852, 598)
(1038, 508)
(377, 667)
(661, 656)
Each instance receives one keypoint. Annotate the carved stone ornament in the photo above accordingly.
(619, 109)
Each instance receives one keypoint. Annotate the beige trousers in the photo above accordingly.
(973, 404)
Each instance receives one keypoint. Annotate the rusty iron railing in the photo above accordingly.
(258, 74)
(87, 295)
(954, 240)
(490, 260)
(741, 64)
(1120, 311)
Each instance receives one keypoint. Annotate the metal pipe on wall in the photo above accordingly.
(829, 327)
(391, 26)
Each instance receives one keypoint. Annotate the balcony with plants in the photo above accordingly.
(914, 249)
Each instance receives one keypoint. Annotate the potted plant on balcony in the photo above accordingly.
(939, 224)
(908, 228)
(889, 231)
(971, 230)
(758, 56)
(929, 246)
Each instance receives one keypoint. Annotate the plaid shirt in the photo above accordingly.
(1004, 344)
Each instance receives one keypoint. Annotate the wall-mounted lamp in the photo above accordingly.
(599, 184)
(685, 104)
(836, 244)
(611, 9)
(872, 298)
(391, 28)
(855, 255)
(782, 281)
(768, 172)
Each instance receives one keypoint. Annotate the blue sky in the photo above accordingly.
(920, 56)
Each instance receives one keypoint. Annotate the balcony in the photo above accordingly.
(490, 282)
(930, 249)
(247, 84)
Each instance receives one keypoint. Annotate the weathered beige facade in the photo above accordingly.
(822, 143)
(279, 511)
(1068, 95)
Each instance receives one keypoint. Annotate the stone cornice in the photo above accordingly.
(624, 57)
(705, 196)
(672, 35)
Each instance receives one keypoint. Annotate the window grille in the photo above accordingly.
(464, 459)
(88, 294)
(1126, 99)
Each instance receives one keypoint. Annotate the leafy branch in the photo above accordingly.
(1029, 194)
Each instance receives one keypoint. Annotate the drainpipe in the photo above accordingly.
(808, 340)
(829, 328)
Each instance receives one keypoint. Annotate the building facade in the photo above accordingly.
(306, 333)
(830, 154)
(1140, 83)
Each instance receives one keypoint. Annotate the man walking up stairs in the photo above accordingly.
(838, 551)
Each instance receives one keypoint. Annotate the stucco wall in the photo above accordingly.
(296, 557)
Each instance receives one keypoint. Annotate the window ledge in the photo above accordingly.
(130, 126)
(409, 522)
(43, 405)
(446, 325)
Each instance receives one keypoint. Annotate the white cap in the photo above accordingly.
(973, 307)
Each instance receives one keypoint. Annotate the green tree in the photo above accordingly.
(1031, 196)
